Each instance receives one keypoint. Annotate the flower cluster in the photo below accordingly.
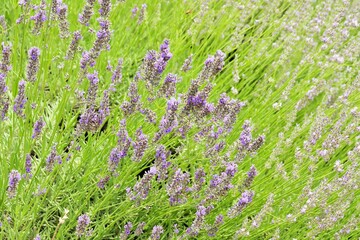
(82, 225)
(14, 178)
(33, 64)
(93, 118)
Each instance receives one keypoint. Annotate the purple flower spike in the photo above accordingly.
(34, 53)
(38, 126)
(134, 11)
(114, 159)
(245, 199)
(140, 145)
(156, 232)
(168, 89)
(250, 177)
(14, 178)
(82, 224)
(245, 136)
(20, 100)
(105, 8)
(5, 65)
(231, 169)
(39, 18)
(62, 11)
(33, 64)
(128, 226)
(102, 182)
(28, 164)
(74, 45)
(88, 11)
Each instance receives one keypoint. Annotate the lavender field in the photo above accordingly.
(180, 119)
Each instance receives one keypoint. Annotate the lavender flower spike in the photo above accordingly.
(5, 65)
(28, 164)
(250, 176)
(3, 23)
(105, 8)
(82, 224)
(142, 15)
(39, 18)
(14, 178)
(73, 46)
(139, 146)
(156, 232)
(88, 11)
(117, 75)
(114, 159)
(187, 64)
(38, 126)
(33, 64)
(20, 100)
(63, 22)
(245, 136)
(246, 198)
(52, 158)
(4, 101)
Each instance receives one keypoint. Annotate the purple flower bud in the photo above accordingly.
(38, 126)
(82, 224)
(20, 100)
(178, 187)
(52, 159)
(231, 169)
(168, 89)
(105, 8)
(117, 74)
(4, 101)
(139, 229)
(33, 64)
(156, 232)
(5, 65)
(14, 178)
(176, 230)
(142, 14)
(128, 227)
(134, 11)
(88, 11)
(3, 23)
(86, 60)
(215, 181)
(24, 3)
(62, 11)
(39, 18)
(103, 181)
(245, 199)
(139, 145)
(250, 177)
(28, 164)
(74, 45)
(187, 64)
(213, 65)
(172, 104)
(245, 136)
(114, 159)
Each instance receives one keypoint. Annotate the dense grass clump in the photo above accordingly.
(179, 119)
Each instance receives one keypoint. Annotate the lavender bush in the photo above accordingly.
(179, 119)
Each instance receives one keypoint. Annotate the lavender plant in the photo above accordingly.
(179, 119)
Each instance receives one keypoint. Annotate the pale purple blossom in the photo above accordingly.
(82, 225)
(14, 179)
(33, 64)
(156, 232)
(20, 100)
